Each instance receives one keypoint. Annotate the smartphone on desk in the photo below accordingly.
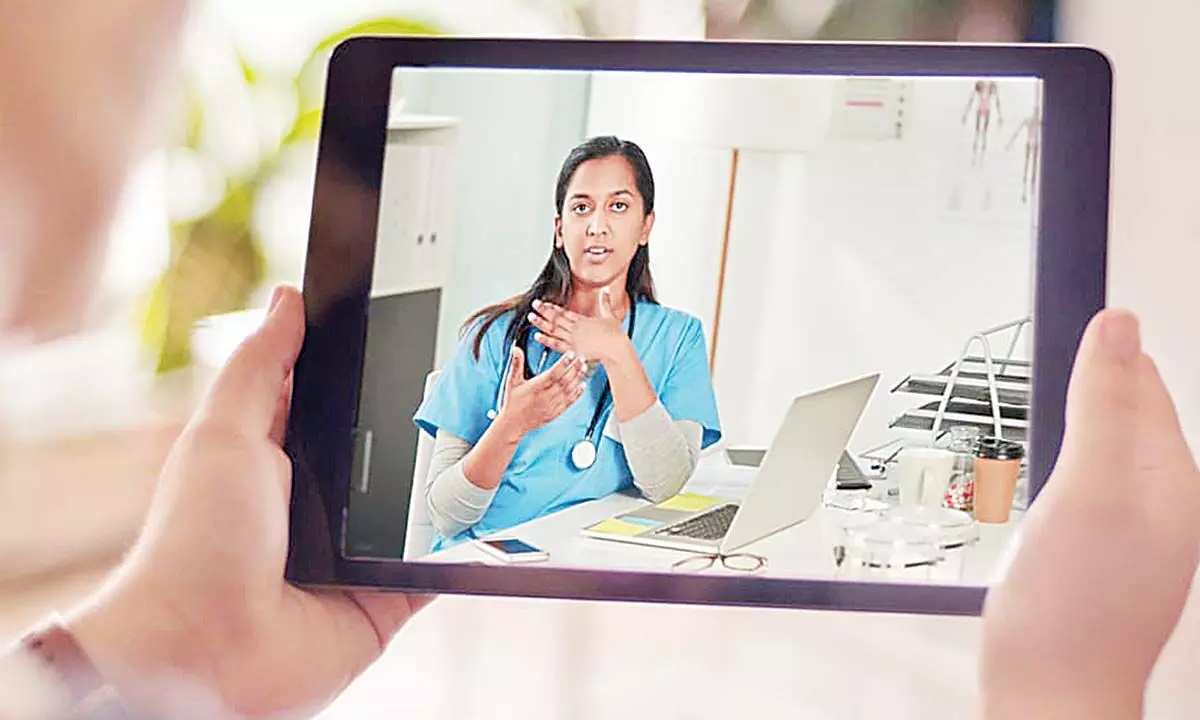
(512, 550)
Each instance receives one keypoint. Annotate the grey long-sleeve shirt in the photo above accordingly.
(662, 454)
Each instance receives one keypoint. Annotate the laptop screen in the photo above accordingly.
(703, 248)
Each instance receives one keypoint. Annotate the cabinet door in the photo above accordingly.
(403, 207)
(419, 249)
(435, 253)
(401, 336)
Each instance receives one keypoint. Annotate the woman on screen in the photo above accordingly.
(581, 386)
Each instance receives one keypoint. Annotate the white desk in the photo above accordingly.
(805, 550)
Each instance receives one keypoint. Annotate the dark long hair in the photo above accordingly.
(554, 283)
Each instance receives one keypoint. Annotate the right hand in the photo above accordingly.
(1108, 551)
(531, 403)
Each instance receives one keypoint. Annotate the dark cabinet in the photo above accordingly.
(401, 340)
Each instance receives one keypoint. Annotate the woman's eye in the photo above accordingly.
(579, 208)
(620, 206)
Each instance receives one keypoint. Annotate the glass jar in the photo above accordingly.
(964, 442)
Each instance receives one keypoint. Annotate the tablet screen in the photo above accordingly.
(831, 275)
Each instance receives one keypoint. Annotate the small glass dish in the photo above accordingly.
(886, 549)
(955, 528)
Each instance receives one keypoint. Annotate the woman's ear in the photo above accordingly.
(647, 225)
(558, 238)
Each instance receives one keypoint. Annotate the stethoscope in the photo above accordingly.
(583, 452)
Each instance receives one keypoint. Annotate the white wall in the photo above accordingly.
(1155, 237)
(682, 122)
(846, 256)
(515, 129)
(851, 259)
(711, 111)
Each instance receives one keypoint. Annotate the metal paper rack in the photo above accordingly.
(981, 390)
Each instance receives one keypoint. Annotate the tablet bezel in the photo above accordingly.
(1069, 277)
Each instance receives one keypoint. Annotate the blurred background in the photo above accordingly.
(217, 211)
(231, 182)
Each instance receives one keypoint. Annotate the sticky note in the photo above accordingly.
(644, 522)
(613, 526)
(689, 502)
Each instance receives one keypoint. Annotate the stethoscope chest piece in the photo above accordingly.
(583, 454)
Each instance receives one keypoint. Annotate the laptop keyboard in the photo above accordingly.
(712, 525)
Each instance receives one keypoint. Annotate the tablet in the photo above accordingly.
(881, 251)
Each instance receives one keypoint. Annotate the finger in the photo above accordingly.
(1165, 467)
(1160, 433)
(572, 374)
(559, 383)
(578, 372)
(558, 370)
(556, 315)
(365, 622)
(516, 369)
(388, 611)
(282, 406)
(1102, 398)
(565, 396)
(548, 327)
(556, 344)
(245, 393)
(604, 303)
(573, 380)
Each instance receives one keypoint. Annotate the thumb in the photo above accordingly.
(1103, 398)
(605, 303)
(516, 370)
(246, 392)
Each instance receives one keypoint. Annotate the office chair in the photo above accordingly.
(420, 533)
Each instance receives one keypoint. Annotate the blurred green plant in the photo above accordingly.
(216, 260)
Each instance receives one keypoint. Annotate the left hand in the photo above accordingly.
(202, 595)
(594, 338)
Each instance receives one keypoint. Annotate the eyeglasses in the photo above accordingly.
(738, 562)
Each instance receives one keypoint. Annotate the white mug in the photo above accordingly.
(923, 475)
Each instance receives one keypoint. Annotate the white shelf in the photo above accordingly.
(991, 391)
(402, 121)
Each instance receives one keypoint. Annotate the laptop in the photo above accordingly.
(786, 490)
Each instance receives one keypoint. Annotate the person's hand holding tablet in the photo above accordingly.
(1109, 551)
(201, 599)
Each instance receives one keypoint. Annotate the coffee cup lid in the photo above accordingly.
(993, 448)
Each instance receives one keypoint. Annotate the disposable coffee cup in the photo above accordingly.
(997, 470)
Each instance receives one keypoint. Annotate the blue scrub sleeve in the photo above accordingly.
(466, 389)
(687, 392)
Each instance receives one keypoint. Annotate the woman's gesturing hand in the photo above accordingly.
(593, 338)
(531, 403)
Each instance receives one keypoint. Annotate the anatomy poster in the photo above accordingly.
(993, 150)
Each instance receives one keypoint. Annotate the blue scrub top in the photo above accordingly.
(541, 479)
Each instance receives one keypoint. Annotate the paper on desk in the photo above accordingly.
(689, 502)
